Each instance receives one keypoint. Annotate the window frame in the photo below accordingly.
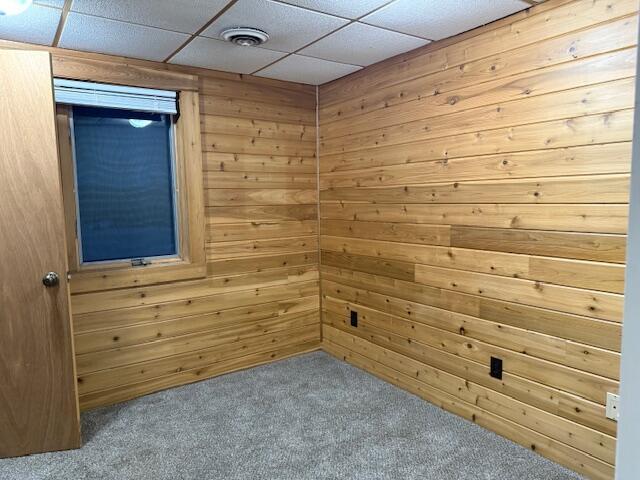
(190, 262)
(177, 225)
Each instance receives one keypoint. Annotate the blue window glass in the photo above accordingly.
(125, 184)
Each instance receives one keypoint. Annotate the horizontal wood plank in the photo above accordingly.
(590, 100)
(580, 189)
(594, 218)
(123, 393)
(260, 213)
(235, 162)
(582, 246)
(594, 130)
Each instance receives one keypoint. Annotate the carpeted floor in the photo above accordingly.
(308, 417)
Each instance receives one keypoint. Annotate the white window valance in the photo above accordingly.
(74, 92)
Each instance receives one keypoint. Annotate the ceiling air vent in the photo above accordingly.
(245, 36)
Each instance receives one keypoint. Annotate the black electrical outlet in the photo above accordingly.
(354, 318)
(496, 368)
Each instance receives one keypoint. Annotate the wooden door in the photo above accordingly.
(38, 394)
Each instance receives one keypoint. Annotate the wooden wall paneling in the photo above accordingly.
(565, 189)
(218, 142)
(549, 163)
(261, 213)
(589, 100)
(531, 366)
(122, 73)
(560, 324)
(574, 131)
(230, 266)
(193, 306)
(549, 52)
(237, 107)
(542, 22)
(259, 300)
(587, 218)
(554, 297)
(231, 162)
(182, 377)
(257, 89)
(581, 246)
(253, 173)
(578, 73)
(560, 271)
(110, 338)
(222, 197)
(555, 400)
(102, 381)
(254, 231)
(126, 355)
(217, 251)
(343, 92)
(553, 348)
(550, 399)
(582, 437)
(167, 292)
(405, 378)
(474, 203)
(411, 233)
(239, 180)
(258, 129)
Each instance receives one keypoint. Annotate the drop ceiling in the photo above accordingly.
(311, 41)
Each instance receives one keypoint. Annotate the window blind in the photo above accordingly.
(89, 94)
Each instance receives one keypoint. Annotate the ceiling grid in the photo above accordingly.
(310, 41)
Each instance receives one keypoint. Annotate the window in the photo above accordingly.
(132, 184)
(125, 184)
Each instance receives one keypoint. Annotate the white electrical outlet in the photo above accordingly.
(613, 406)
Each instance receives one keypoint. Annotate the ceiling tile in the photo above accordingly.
(289, 28)
(437, 19)
(94, 34)
(220, 55)
(51, 3)
(179, 15)
(36, 25)
(360, 44)
(348, 9)
(301, 69)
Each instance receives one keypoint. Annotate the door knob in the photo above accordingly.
(51, 279)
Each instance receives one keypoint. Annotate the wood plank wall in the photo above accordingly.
(474, 204)
(260, 300)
